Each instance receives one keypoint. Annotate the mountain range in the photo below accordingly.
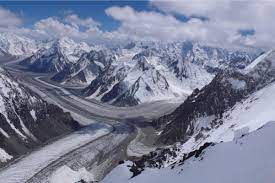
(236, 107)
(134, 73)
(228, 101)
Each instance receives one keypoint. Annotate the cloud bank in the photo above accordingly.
(8, 18)
(229, 24)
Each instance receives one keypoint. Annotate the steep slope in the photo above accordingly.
(13, 44)
(26, 121)
(130, 84)
(175, 70)
(62, 52)
(150, 83)
(3, 53)
(219, 129)
(85, 69)
(247, 159)
(226, 89)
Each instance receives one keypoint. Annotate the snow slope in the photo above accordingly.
(259, 59)
(250, 114)
(66, 175)
(59, 54)
(84, 70)
(247, 159)
(149, 72)
(13, 44)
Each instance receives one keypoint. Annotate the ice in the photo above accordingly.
(34, 162)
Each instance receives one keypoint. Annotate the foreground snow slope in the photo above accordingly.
(245, 117)
(247, 159)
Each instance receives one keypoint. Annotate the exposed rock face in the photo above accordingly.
(56, 57)
(214, 99)
(145, 73)
(26, 121)
(234, 104)
(86, 69)
(53, 61)
(225, 90)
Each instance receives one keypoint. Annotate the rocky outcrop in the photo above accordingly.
(225, 90)
(26, 121)
(86, 69)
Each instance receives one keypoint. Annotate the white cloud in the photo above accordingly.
(165, 27)
(152, 25)
(71, 26)
(227, 17)
(74, 20)
(223, 21)
(8, 18)
(53, 27)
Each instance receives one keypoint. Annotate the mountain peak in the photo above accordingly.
(64, 42)
(142, 63)
(17, 45)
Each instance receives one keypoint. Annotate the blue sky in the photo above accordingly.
(33, 11)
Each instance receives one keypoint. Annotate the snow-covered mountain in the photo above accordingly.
(115, 75)
(85, 70)
(61, 52)
(220, 129)
(145, 73)
(225, 90)
(26, 121)
(12, 44)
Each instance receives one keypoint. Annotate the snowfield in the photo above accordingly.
(245, 160)
(28, 166)
(66, 175)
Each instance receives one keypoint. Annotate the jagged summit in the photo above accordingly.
(89, 65)
(61, 52)
(13, 44)
(181, 67)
